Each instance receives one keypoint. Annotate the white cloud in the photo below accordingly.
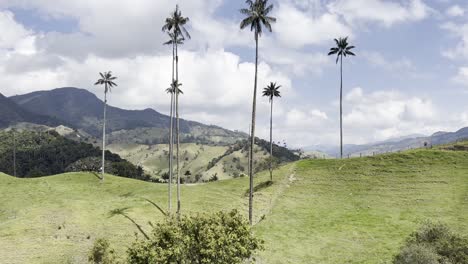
(459, 31)
(385, 114)
(387, 13)
(297, 28)
(455, 11)
(13, 35)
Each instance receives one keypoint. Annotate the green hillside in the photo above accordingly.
(317, 211)
(201, 160)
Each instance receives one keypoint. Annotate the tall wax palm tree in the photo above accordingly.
(175, 24)
(341, 49)
(14, 151)
(256, 17)
(172, 41)
(271, 91)
(108, 81)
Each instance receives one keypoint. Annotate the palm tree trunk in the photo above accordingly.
(341, 107)
(171, 138)
(252, 136)
(177, 132)
(14, 154)
(271, 140)
(104, 135)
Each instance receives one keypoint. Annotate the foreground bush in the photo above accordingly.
(434, 244)
(218, 238)
(101, 253)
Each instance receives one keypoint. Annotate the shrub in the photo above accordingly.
(101, 253)
(416, 254)
(434, 239)
(218, 238)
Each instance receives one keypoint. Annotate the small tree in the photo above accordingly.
(218, 238)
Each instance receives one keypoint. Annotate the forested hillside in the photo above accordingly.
(29, 154)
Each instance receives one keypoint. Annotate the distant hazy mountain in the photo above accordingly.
(83, 110)
(11, 113)
(395, 144)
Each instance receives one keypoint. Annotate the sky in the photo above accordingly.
(410, 75)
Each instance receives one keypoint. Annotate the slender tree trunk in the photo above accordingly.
(177, 132)
(104, 135)
(171, 138)
(248, 149)
(341, 107)
(271, 139)
(252, 137)
(14, 153)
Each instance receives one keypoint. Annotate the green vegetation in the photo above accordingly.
(219, 238)
(434, 244)
(203, 161)
(102, 253)
(358, 210)
(47, 153)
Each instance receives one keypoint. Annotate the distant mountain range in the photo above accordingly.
(82, 110)
(11, 113)
(394, 145)
(141, 136)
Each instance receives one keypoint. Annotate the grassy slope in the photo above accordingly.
(361, 210)
(194, 158)
(330, 211)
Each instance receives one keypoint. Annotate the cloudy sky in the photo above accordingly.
(410, 74)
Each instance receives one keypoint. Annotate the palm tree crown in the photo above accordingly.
(257, 15)
(174, 87)
(106, 79)
(271, 91)
(341, 49)
(176, 23)
(172, 39)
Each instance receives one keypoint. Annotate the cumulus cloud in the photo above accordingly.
(297, 28)
(381, 115)
(14, 36)
(455, 11)
(387, 13)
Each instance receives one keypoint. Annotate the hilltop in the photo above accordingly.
(377, 202)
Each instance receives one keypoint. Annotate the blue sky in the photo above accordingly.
(410, 74)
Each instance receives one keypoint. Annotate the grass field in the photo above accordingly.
(317, 211)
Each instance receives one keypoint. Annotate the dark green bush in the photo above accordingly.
(218, 238)
(434, 242)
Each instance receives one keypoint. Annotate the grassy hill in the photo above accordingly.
(203, 161)
(318, 211)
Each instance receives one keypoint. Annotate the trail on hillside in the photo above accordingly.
(284, 183)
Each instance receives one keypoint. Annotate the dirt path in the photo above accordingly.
(285, 183)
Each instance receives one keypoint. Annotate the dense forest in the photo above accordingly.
(29, 154)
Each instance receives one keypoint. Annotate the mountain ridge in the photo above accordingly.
(84, 110)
